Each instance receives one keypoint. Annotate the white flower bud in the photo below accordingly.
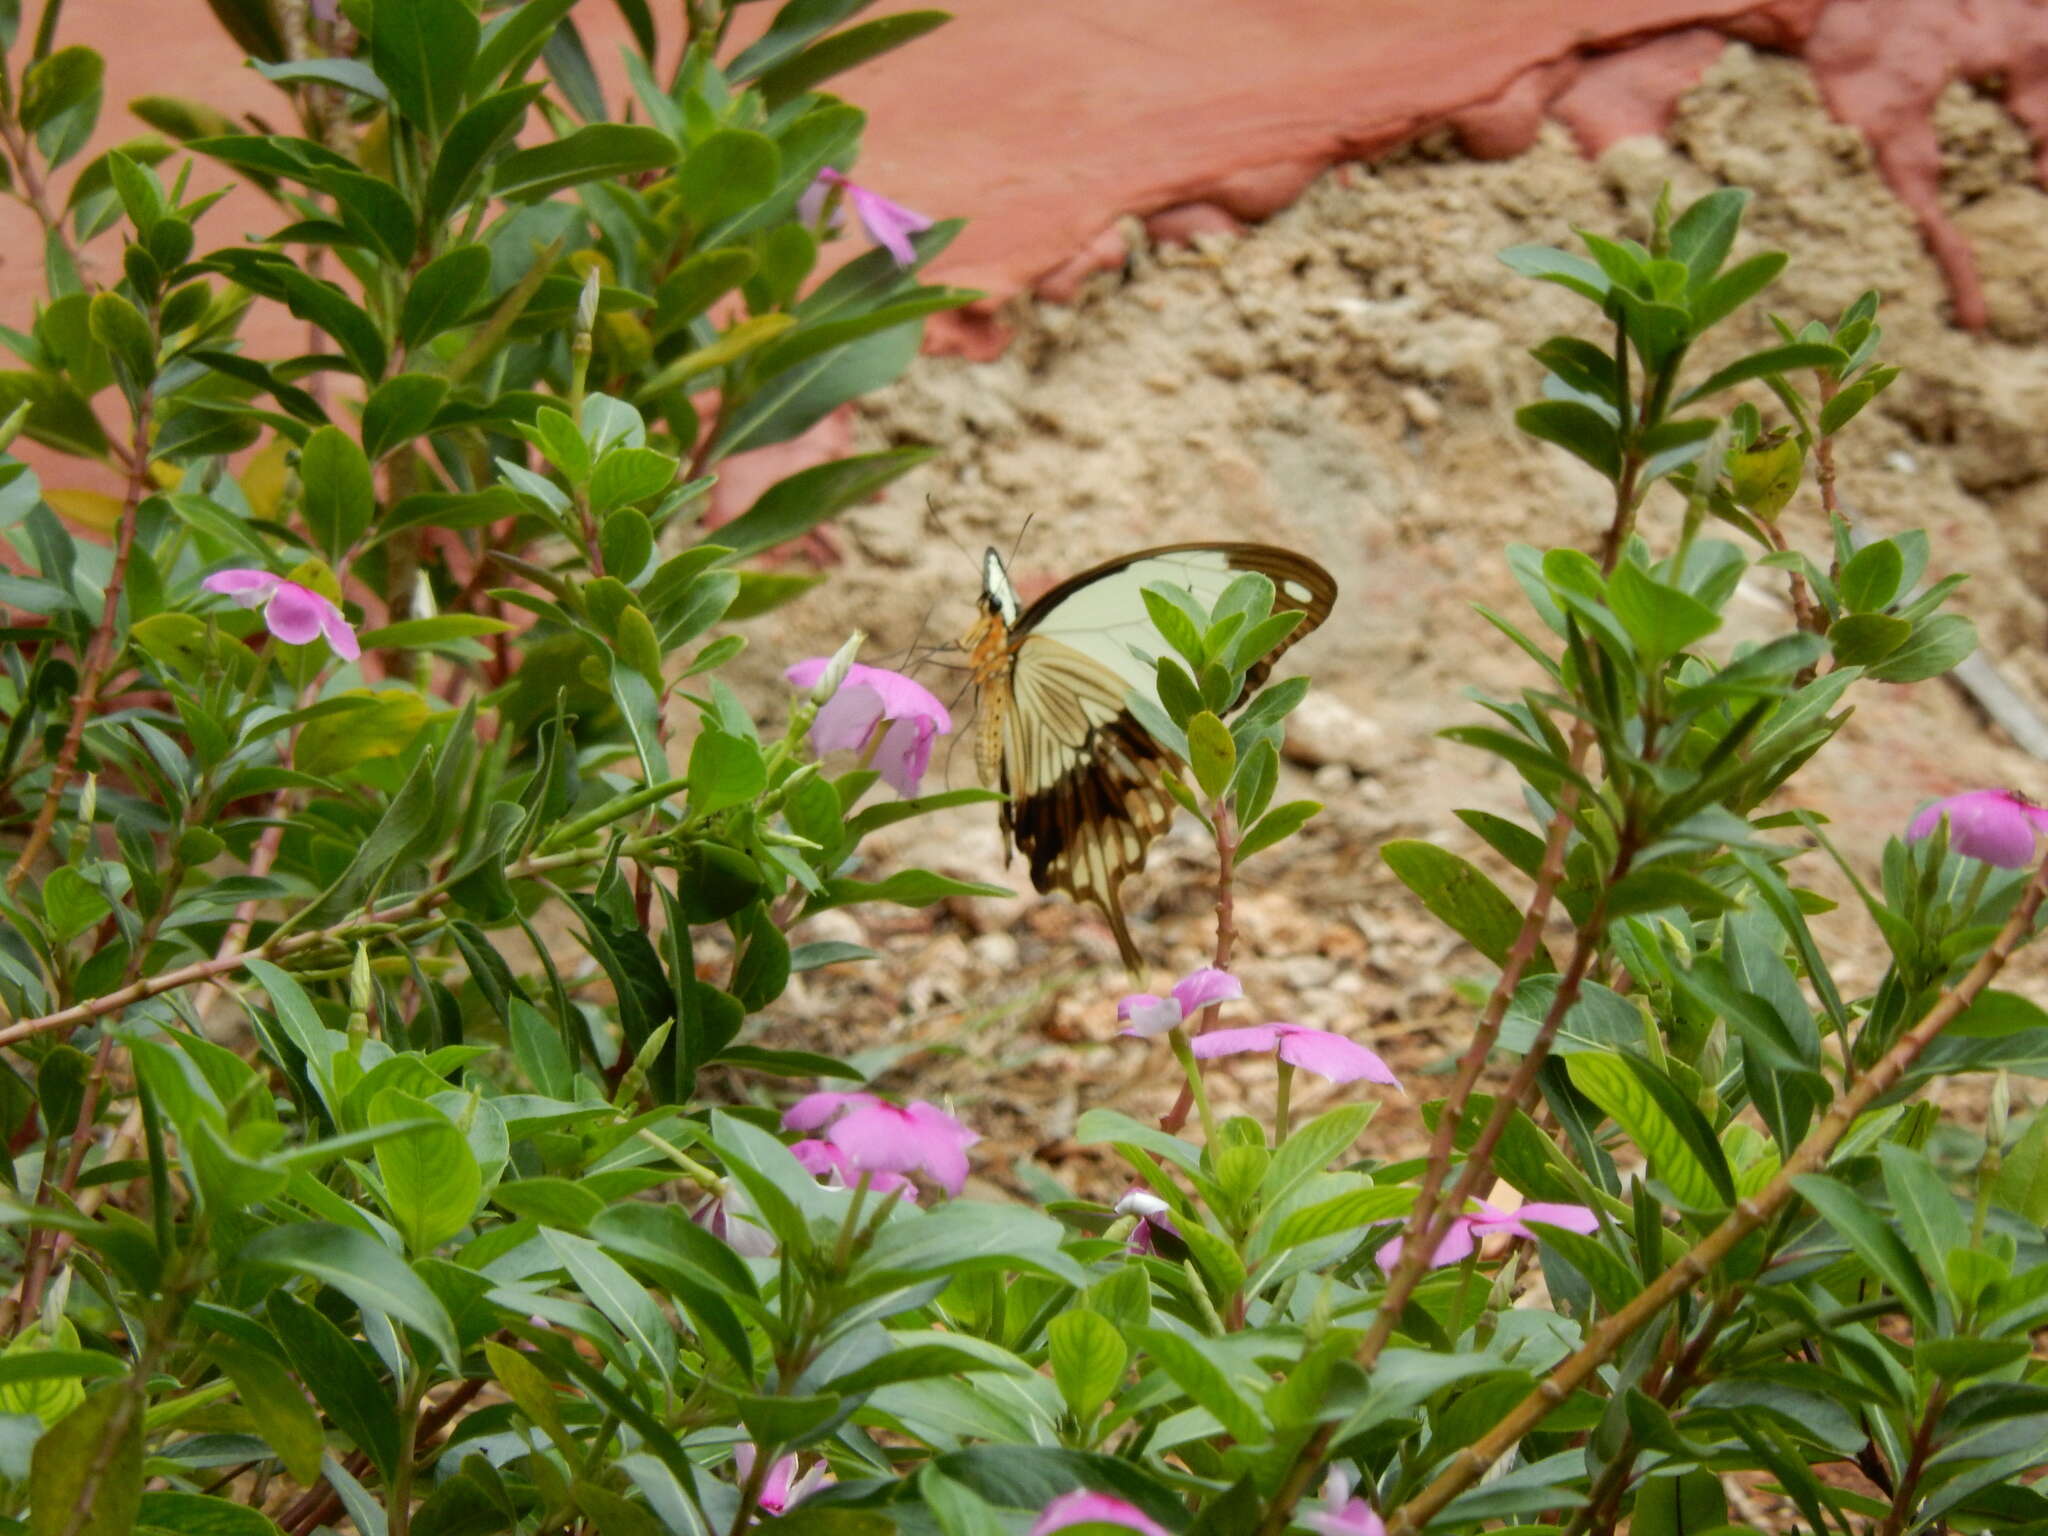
(89, 801)
(359, 993)
(1139, 1203)
(2001, 1110)
(586, 304)
(834, 675)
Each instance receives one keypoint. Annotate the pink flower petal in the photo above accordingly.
(294, 614)
(249, 588)
(1331, 1055)
(1994, 825)
(889, 224)
(945, 1144)
(1196, 991)
(1234, 1042)
(1457, 1244)
(1148, 1015)
(1572, 1218)
(846, 719)
(815, 1109)
(905, 754)
(1086, 1507)
(340, 635)
(902, 697)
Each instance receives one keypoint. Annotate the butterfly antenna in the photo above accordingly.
(934, 519)
(1020, 538)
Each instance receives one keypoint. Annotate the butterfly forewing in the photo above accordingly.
(1083, 777)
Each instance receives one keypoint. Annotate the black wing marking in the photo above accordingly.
(1083, 778)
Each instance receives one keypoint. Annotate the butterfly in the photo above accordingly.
(1083, 777)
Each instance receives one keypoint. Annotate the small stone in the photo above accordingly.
(1323, 731)
(997, 951)
(1423, 411)
(1332, 779)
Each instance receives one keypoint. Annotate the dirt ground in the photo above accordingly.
(1342, 380)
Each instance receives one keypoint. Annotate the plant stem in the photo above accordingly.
(99, 655)
(1470, 1463)
(276, 948)
(1282, 1120)
(1916, 1463)
(1184, 1053)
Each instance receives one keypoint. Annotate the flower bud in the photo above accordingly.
(2000, 1112)
(359, 993)
(586, 303)
(89, 801)
(834, 675)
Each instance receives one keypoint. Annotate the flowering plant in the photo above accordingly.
(344, 1191)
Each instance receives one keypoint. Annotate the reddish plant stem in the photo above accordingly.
(318, 1505)
(1470, 1463)
(99, 654)
(1899, 1514)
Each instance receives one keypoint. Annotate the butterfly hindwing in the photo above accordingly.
(1083, 777)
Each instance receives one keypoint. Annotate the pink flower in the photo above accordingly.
(1318, 1050)
(890, 225)
(1085, 1507)
(1154, 1221)
(1341, 1515)
(875, 1137)
(869, 696)
(781, 1488)
(1995, 825)
(294, 614)
(730, 1219)
(1467, 1231)
(832, 1165)
(1147, 1015)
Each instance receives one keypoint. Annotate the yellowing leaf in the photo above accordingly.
(88, 509)
(263, 480)
(335, 743)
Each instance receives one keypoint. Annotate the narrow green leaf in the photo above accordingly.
(362, 1269)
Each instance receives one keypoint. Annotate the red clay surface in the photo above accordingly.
(1043, 123)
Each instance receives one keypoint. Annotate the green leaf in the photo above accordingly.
(276, 1403)
(421, 50)
(1682, 1148)
(1088, 1359)
(1278, 824)
(964, 1236)
(1936, 645)
(622, 1299)
(167, 1512)
(477, 135)
(362, 1269)
(793, 506)
(413, 812)
(1872, 1239)
(843, 51)
(340, 498)
(1212, 752)
(430, 1177)
(1204, 1381)
(344, 74)
(399, 410)
(1660, 886)
(1769, 362)
(1661, 620)
(1924, 1208)
(1347, 1212)
(120, 327)
(699, 282)
(1734, 288)
(725, 770)
(1547, 264)
(1871, 579)
(793, 402)
(725, 174)
(2022, 1182)
(1702, 235)
(594, 153)
(446, 289)
(85, 1475)
(907, 888)
(1578, 429)
(341, 1380)
(1461, 896)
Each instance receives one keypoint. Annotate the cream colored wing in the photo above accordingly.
(1083, 778)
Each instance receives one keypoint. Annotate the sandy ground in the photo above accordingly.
(1342, 379)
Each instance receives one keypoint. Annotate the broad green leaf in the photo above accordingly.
(276, 1403)
(594, 153)
(725, 770)
(430, 1177)
(1660, 619)
(446, 289)
(421, 50)
(362, 1269)
(1871, 579)
(85, 1476)
(340, 498)
(1088, 1358)
(338, 1374)
(2022, 1182)
(1204, 1381)
(1681, 1147)
(728, 172)
(1461, 896)
(1871, 1239)
(1213, 753)
(1576, 428)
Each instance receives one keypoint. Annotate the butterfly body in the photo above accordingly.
(1084, 778)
